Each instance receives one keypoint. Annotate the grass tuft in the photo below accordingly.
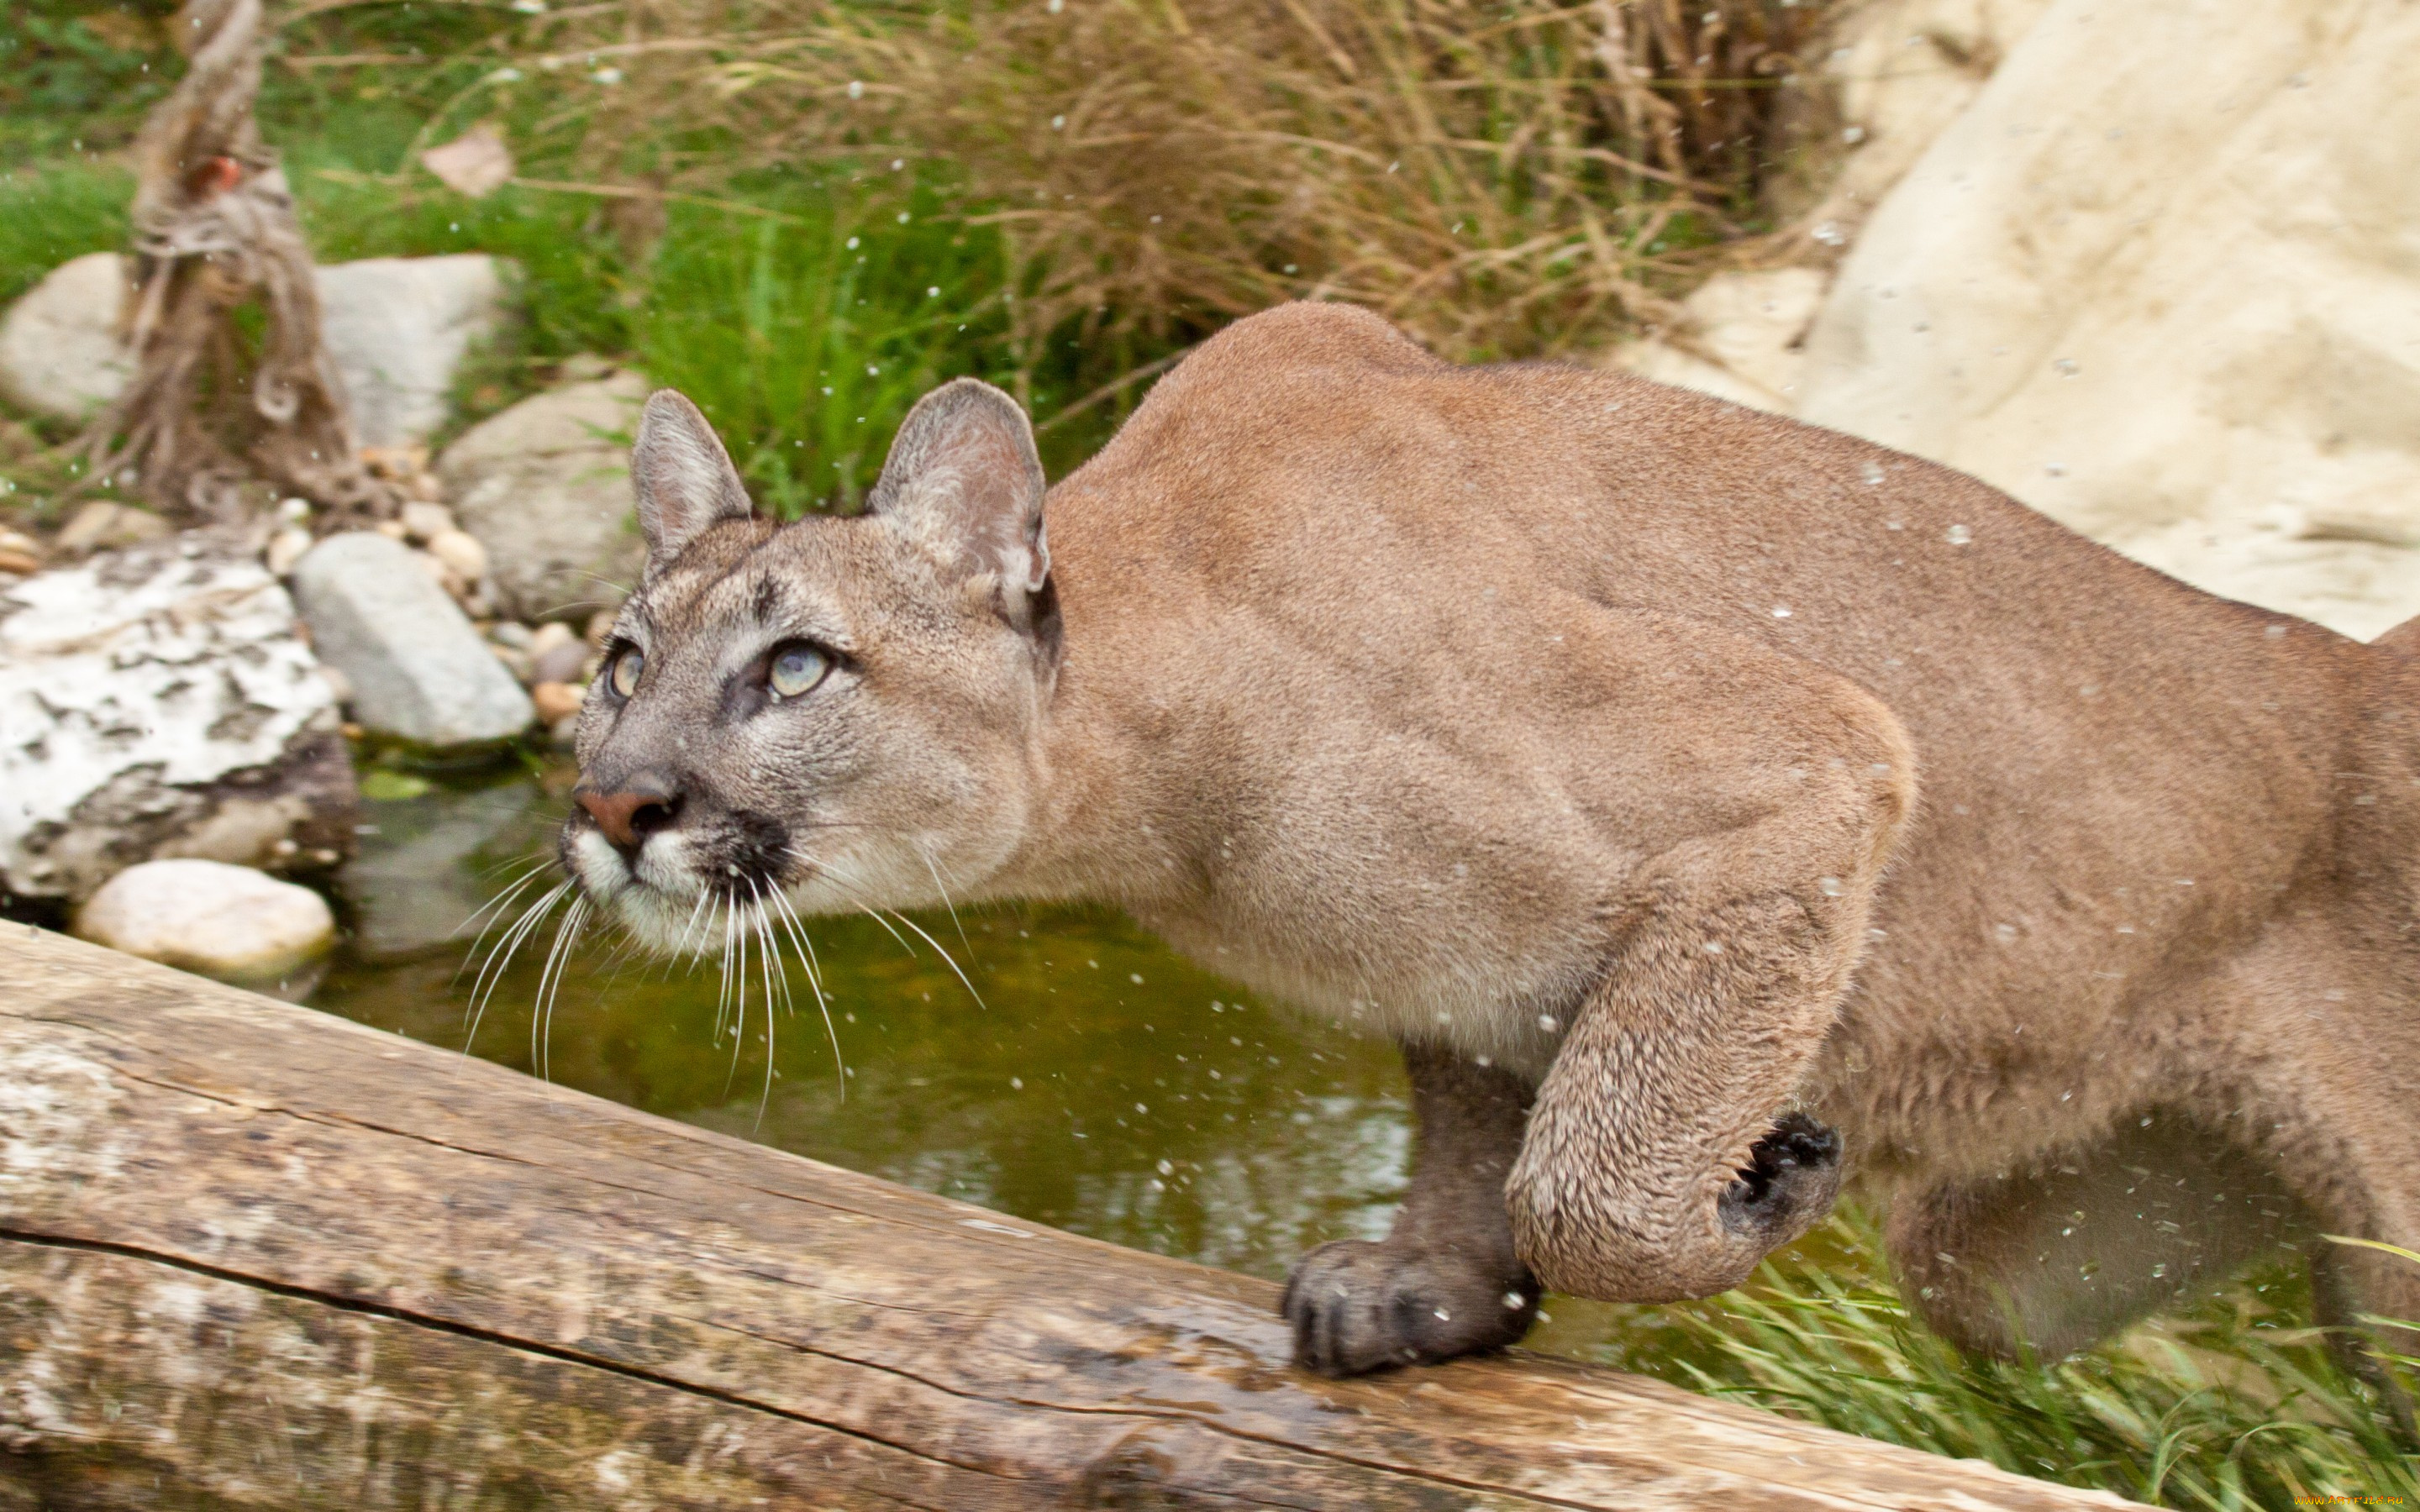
(2234, 1405)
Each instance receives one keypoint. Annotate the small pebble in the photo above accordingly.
(392, 529)
(287, 548)
(461, 552)
(424, 522)
(562, 663)
(558, 701)
(510, 633)
(548, 635)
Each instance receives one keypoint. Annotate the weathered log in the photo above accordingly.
(256, 1257)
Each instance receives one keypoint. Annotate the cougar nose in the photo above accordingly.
(627, 817)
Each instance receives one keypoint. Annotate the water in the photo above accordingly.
(1104, 1085)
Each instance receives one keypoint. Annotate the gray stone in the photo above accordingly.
(424, 874)
(223, 922)
(419, 671)
(158, 702)
(545, 486)
(397, 327)
(59, 352)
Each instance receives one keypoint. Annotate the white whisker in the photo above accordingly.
(491, 971)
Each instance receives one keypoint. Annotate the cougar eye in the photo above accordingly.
(797, 668)
(626, 668)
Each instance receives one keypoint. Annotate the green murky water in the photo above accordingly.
(1103, 1084)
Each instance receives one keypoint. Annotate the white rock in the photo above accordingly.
(397, 327)
(225, 921)
(158, 702)
(59, 352)
(2181, 318)
(545, 486)
(419, 671)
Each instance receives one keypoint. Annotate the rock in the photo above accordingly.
(420, 882)
(397, 327)
(19, 554)
(511, 633)
(556, 702)
(563, 662)
(545, 486)
(461, 553)
(547, 637)
(1744, 344)
(424, 520)
(419, 671)
(2182, 319)
(103, 526)
(155, 703)
(287, 548)
(1892, 74)
(225, 921)
(59, 352)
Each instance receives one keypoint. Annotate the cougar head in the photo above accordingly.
(841, 712)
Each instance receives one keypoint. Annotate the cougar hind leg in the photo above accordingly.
(2053, 1257)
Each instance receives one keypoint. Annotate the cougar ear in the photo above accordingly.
(682, 475)
(963, 479)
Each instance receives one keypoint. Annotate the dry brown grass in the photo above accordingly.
(1515, 178)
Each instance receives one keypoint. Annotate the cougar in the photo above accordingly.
(1678, 784)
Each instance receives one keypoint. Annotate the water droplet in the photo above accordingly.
(1167, 1168)
(857, 89)
(1058, 123)
(1829, 887)
(1871, 471)
(1141, 1108)
(1960, 535)
(1444, 1317)
(1017, 1084)
(1713, 947)
(1514, 1302)
(1549, 1022)
(1780, 611)
(1135, 977)
(2005, 933)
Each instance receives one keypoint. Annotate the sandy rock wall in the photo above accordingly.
(2161, 281)
(2155, 270)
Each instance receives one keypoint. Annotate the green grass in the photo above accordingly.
(2233, 1405)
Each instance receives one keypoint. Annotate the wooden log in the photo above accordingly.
(252, 1255)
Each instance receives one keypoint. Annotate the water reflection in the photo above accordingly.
(1107, 1087)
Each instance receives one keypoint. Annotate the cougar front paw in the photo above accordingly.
(1357, 1306)
(1792, 1177)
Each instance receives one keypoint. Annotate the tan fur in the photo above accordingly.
(1571, 730)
